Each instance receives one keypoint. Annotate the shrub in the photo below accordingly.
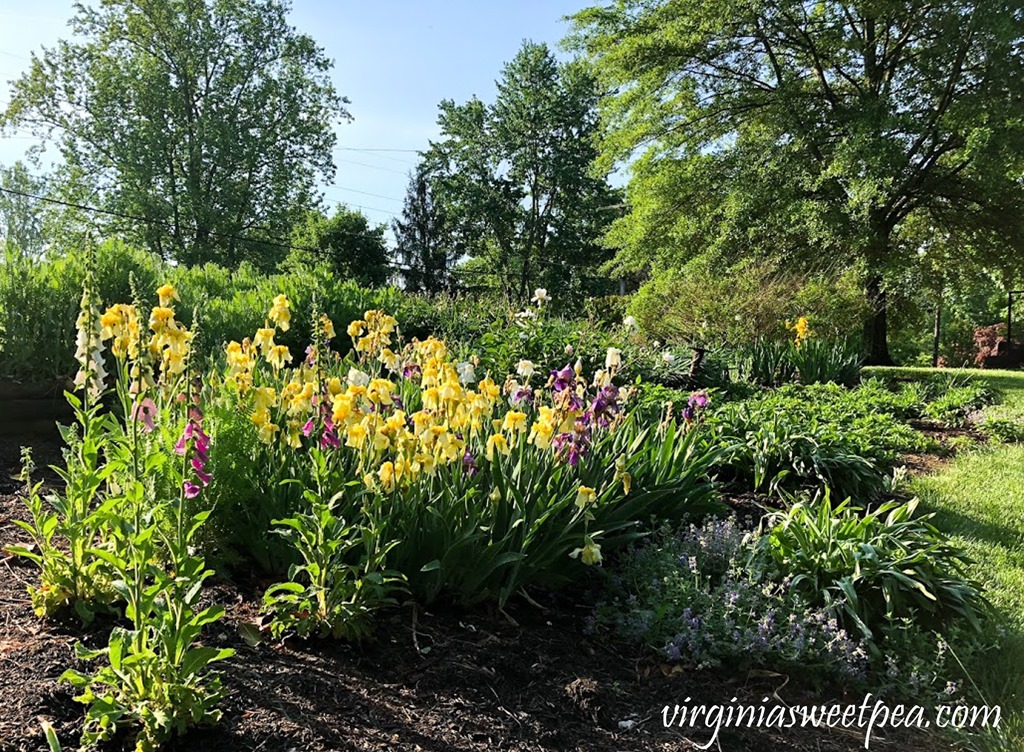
(987, 341)
(39, 299)
(708, 303)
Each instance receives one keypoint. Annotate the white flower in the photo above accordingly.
(630, 323)
(525, 368)
(668, 357)
(89, 346)
(540, 296)
(569, 349)
(357, 377)
(529, 313)
(656, 344)
(613, 359)
(467, 374)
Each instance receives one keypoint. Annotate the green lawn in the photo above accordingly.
(979, 499)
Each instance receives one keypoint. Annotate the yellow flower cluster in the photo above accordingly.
(168, 345)
(401, 446)
(242, 356)
(372, 335)
(404, 411)
(801, 329)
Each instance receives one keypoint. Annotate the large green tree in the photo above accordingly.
(21, 216)
(210, 120)
(515, 176)
(810, 131)
(344, 242)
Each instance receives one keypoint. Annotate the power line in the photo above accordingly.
(367, 148)
(373, 167)
(377, 153)
(273, 242)
(365, 193)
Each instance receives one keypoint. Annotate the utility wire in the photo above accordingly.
(274, 242)
(372, 167)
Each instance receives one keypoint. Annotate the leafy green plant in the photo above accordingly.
(820, 361)
(73, 576)
(155, 674)
(1005, 430)
(954, 404)
(340, 580)
(514, 524)
(767, 363)
(690, 594)
(770, 451)
(873, 567)
(813, 360)
(127, 539)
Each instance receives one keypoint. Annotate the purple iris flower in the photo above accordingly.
(564, 379)
(522, 394)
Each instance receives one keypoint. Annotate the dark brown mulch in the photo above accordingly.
(448, 680)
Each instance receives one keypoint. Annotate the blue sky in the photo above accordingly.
(394, 59)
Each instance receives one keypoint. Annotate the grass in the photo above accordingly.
(979, 499)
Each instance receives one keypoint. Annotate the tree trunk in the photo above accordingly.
(937, 333)
(876, 327)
